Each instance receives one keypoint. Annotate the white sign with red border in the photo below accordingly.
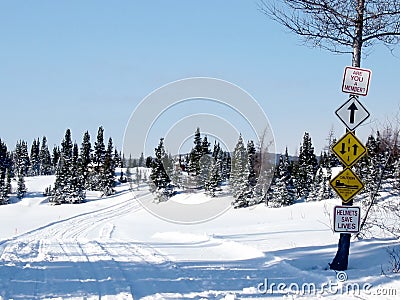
(356, 81)
(346, 219)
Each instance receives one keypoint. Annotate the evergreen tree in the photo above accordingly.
(35, 158)
(226, 166)
(279, 194)
(21, 158)
(108, 172)
(239, 175)
(141, 162)
(5, 173)
(45, 158)
(64, 186)
(159, 177)
(205, 146)
(216, 150)
(177, 175)
(129, 163)
(251, 167)
(306, 167)
(56, 156)
(149, 161)
(318, 190)
(373, 166)
(77, 186)
(281, 191)
(21, 188)
(195, 154)
(99, 149)
(205, 164)
(85, 158)
(118, 159)
(214, 179)
(96, 178)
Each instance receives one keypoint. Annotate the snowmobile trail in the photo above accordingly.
(60, 261)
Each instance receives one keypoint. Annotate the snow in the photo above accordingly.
(112, 248)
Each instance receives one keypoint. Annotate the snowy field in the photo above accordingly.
(111, 248)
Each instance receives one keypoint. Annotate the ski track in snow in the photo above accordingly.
(59, 261)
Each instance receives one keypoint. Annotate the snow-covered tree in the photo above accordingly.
(108, 171)
(281, 191)
(214, 179)
(68, 186)
(306, 167)
(159, 178)
(368, 167)
(64, 177)
(85, 157)
(196, 154)
(251, 167)
(77, 185)
(118, 158)
(5, 173)
(21, 188)
(279, 194)
(320, 189)
(35, 158)
(45, 158)
(21, 158)
(55, 157)
(99, 148)
(239, 175)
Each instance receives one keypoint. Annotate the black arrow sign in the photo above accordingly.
(352, 109)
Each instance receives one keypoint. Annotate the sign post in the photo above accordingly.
(349, 150)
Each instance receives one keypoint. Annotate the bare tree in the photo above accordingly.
(340, 26)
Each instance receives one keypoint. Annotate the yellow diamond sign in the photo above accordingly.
(347, 184)
(349, 149)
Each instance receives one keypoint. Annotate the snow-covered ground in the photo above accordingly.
(112, 248)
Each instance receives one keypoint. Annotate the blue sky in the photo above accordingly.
(82, 64)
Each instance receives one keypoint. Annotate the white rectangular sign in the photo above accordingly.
(346, 219)
(356, 81)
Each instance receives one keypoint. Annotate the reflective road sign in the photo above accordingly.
(349, 149)
(347, 184)
(352, 113)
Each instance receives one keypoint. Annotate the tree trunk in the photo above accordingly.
(358, 34)
(341, 259)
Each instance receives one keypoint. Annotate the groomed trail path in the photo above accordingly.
(59, 261)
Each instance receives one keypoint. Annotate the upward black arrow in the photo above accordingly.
(352, 109)
(355, 149)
